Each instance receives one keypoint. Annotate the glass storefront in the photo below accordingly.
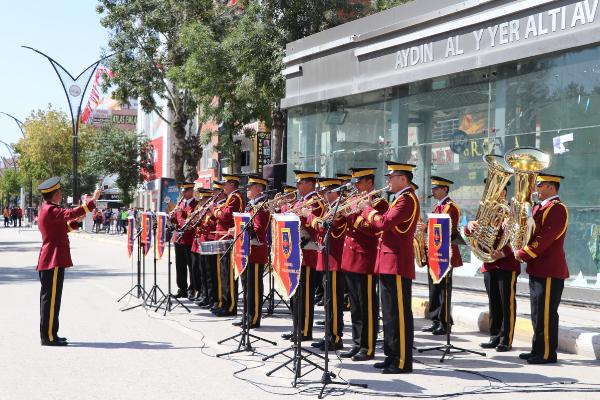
(445, 125)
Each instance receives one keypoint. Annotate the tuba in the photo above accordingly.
(492, 210)
(527, 163)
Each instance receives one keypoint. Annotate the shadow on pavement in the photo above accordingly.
(12, 275)
(134, 345)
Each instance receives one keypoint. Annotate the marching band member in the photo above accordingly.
(305, 184)
(438, 296)
(396, 267)
(55, 255)
(252, 279)
(547, 268)
(500, 278)
(199, 272)
(358, 264)
(223, 214)
(336, 278)
(210, 261)
(183, 241)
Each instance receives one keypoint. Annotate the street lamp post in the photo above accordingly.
(74, 88)
(20, 125)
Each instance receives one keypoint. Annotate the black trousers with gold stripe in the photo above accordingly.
(50, 297)
(183, 263)
(501, 287)
(304, 308)
(336, 305)
(440, 300)
(208, 266)
(229, 285)
(364, 310)
(252, 282)
(545, 299)
(398, 325)
(196, 274)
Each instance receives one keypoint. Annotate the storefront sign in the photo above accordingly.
(506, 33)
(262, 150)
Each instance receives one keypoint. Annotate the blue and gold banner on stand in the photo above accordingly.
(146, 236)
(161, 233)
(130, 234)
(439, 249)
(286, 254)
(241, 248)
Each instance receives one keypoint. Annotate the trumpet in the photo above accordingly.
(347, 207)
(297, 208)
(202, 211)
(276, 202)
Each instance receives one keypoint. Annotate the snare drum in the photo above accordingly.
(215, 247)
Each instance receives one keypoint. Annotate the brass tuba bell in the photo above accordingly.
(527, 163)
(492, 210)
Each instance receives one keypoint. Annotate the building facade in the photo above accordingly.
(440, 84)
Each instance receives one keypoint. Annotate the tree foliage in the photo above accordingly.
(144, 34)
(124, 153)
(47, 148)
(381, 5)
(9, 183)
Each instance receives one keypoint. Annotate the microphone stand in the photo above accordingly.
(327, 377)
(245, 337)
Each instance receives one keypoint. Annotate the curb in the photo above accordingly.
(570, 339)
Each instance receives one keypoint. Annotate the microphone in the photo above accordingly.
(342, 188)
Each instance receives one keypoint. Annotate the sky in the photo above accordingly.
(67, 30)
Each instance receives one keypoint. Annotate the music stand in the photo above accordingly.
(449, 348)
(270, 297)
(140, 291)
(327, 377)
(168, 298)
(244, 337)
(153, 293)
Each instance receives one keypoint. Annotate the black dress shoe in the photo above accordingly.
(362, 356)
(305, 338)
(430, 328)
(225, 313)
(287, 335)
(320, 322)
(350, 353)
(490, 345)
(46, 342)
(502, 348)
(61, 339)
(179, 295)
(332, 346)
(236, 323)
(391, 369)
(440, 331)
(525, 356)
(383, 364)
(318, 344)
(540, 360)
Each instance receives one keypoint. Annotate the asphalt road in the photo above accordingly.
(140, 354)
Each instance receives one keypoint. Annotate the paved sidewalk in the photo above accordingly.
(141, 355)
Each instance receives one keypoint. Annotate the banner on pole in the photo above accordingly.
(439, 249)
(286, 254)
(241, 248)
(161, 233)
(130, 235)
(146, 236)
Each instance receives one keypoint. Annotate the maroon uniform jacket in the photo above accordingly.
(336, 242)
(259, 249)
(310, 257)
(224, 214)
(449, 207)
(54, 222)
(395, 253)
(507, 263)
(200, 233)
(179, 218)
(360, 245)
(545, 253)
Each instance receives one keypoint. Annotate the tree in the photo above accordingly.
(9, 183)
(381, 5)
(46, 149)
(145, 36)
(124, 153)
